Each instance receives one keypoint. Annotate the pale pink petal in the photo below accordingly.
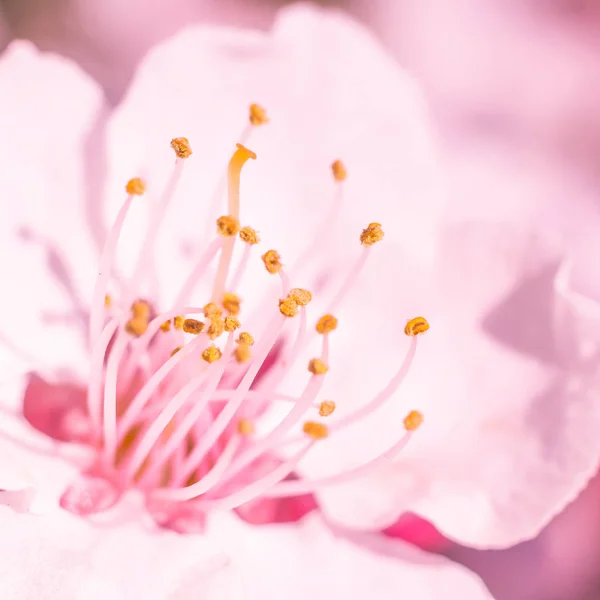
(47, 110)
(330, 91)
(119, 556)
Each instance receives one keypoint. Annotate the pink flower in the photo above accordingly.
(194, 431)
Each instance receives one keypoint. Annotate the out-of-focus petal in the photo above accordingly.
(46, 110)
(330, 92)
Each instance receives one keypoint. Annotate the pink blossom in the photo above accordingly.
(340, 96)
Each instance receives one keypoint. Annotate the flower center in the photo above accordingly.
(173, 395)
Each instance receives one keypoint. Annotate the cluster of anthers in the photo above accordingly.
(171, 395)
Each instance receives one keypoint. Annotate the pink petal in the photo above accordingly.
(45, 119)
(330, 92)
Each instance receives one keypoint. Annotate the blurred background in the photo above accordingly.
(514, 91)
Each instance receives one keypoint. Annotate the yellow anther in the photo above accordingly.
(317, 367)
(249, 235)
(136, 326)
(140, 309)
(258, 115)
(315, 430)
(166, 326)
(211, 354)
(326, 324)
(288, 307)
(245, 338)
(339, 170)
(231, 323)
(413, 420)
(135, 187)
(231, 303)
(176, 350)
(216, 328)
(302, 297)
(326, 408)
(372, 234)
(242, 353)
(416, 326)
(212, 310)
(272, 261)
(182, 147)
(227, 226)
(178, 323)
(245, 427)
(193, 326)
(107, 301)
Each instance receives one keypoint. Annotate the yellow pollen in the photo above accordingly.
(227, 226)
(317, 367)
(326, 408)
(107, 301)
(258, 115)
(249, 235)
(211, 354)
(193, 326)
(272, 261)
(242, 353)
(416, 326)
(315, 430)
(176, 350)
(216, 327)
(135, 187)
(231, 323)
(413, 420)
(245, 427)
(166, 326)
(288, 307)
(231, 303)
(326, 324)
(178, 323)
(140, 309)
(245, 338)
(212, 310)
(339, 170)
(302, 297)
(371, 235)
(136, 326)
(182, 147)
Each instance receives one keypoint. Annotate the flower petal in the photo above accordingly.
(330, 92)
(44, 121)
(63, 557)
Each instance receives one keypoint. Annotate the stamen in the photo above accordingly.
(372, 234)
(176, 350)
(193, 326)
(272, 261)
(245, 427)
(413, 420)
(315, 430)
(288, 307)
(231, 303)
(211, 311)
(258, 115)
(182, 147)
(416, 326)
(216, 328)
(166, 326)
(231, 323)
(242, 353)
(245, 338)
(327, 407)
(211, 354)
(178, 322)
(136, 326)
(239, 158)
(249, 236)
(227, 226)
(326, 324)
(302, 297)
(107, 301)
(140, 309)
(135, 187)
(339, 171)
(317, 367)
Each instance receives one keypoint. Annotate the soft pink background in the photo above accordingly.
(512, 82)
